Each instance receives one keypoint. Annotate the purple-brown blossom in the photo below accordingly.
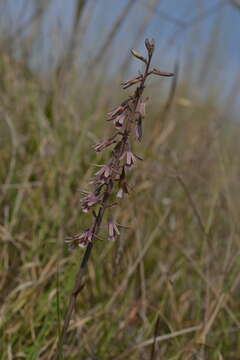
(123, 189)
(130, 158)
(104, 144)
(115, 112)
(119, 120)
(110, 181)
(80, 240)
(112, 230)
(141, 108)
(104, 173)
(122, 184)
(89, 200)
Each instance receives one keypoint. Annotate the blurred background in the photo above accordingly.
(174, 272)
(201, 36)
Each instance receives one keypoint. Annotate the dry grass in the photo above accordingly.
(178, 261)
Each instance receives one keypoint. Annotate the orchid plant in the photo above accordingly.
(110, 183)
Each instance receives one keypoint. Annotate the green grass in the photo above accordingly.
(178, 260)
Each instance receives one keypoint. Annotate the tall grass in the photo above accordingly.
(168, 287)
(181, 248)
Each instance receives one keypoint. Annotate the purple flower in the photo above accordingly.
(141, 108)
(119, 120)
(80, 240)
(89, 200)
(115, 112)
(112, 230)
(123, 189)
(85, 238)
(130, 158)
(104, 172)
(104, 144)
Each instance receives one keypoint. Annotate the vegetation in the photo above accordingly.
(167, 287)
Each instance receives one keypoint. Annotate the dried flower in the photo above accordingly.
(123, 189)
(120, 120)
(141, 108)
(130, 158)
(115, 112)
(89, 200)
(104, 144)
(123, 186)
(80, 240)
(112, 230)
(104, 172)
(85, 238)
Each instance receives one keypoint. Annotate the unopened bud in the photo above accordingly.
(161, 73)
(139, 56)
(128, 83)
(150, 46)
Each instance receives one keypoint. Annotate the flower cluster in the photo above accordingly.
(110, 182)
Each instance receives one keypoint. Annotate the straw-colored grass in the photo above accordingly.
(178, 260)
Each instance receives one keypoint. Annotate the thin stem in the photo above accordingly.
(114, 169)
(78, 286)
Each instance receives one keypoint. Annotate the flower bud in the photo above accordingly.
(150, 46)
(161, 73)
(139, 56)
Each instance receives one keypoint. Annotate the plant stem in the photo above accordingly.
(115, 163)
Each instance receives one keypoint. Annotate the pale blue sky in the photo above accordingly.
(191, 46)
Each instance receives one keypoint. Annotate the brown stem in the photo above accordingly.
(79, 284)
